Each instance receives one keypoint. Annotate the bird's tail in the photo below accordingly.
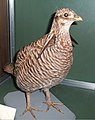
(9, 68)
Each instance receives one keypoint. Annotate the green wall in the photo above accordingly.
(31, 22)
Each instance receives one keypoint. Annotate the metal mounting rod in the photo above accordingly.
(11, 28)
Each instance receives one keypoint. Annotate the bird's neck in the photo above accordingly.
(62, 33)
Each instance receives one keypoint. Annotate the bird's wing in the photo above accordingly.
(49, 40)
(34, 49)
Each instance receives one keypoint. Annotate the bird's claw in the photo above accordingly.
(54, 105)
(30, 109)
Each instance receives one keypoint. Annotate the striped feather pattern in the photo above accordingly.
(45, 62)
(36, 73)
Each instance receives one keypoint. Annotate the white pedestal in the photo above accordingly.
(18, 101)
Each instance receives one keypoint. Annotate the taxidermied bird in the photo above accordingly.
(47, 61)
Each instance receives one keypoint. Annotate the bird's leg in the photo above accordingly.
(29, 107)
(49, 102)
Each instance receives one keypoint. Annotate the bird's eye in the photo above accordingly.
(66, 15)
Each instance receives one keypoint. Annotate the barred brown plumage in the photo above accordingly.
(46, 62)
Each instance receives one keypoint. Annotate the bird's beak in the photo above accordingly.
(78, 18)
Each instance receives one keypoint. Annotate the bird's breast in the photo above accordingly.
(33, 73)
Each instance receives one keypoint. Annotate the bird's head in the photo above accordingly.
(66, 16)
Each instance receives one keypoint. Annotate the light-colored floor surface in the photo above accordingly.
(80, 101)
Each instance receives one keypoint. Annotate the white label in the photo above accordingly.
(7, 113)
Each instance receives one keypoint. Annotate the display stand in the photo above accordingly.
(17, 100)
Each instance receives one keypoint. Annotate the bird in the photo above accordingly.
(45, 62)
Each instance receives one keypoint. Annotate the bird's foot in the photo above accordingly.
(54, 105)
(31, 109)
